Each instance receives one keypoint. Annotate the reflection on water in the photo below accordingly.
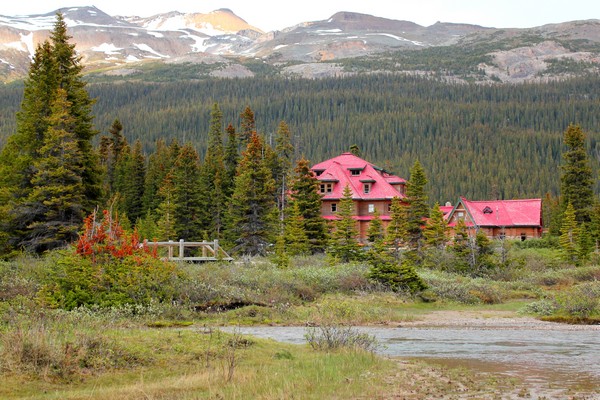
(569, 358)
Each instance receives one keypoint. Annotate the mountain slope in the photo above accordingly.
(222, 44)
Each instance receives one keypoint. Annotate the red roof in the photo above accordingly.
(340, 170)
(527, 212)
(446, 209)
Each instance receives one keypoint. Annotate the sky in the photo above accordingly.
(271, 15)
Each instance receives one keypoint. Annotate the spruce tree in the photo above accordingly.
(55, 66)
(211, 179)
(418, 209)
(70, 78)
(252, 212)
(396, 233)
(569, 237)
(343, 245)
(436, 229)
(375, 232)
(55, 203)
(231, 159)
(159, 165)
(296, 240)
(305, 195)
(461, 247)
(110, 149)
(133, 184)
(576, 178)
(248, 126)
(284, 150)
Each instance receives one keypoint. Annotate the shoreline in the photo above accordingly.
(489, 320)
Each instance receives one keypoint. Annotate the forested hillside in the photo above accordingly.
(473, 140)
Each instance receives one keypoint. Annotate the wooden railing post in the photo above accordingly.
(170, 250)
(181, 252)
(217, 248)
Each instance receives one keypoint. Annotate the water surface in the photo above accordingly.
(568, 358)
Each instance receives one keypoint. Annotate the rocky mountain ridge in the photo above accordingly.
(222, 44)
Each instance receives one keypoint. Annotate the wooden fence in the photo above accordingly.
(211, 251)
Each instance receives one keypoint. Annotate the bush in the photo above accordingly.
(108, 267)
(328, 337)
(541, 307)
(581, 301)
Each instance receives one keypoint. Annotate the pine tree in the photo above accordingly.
(55, 66)
(375, 232)
(569, 237)
(344, 239)
(110, 150)
(185, 176)
(231, 159)
(248, 126)
(305, 195)
(585, 243)
(418, 209)
(211, 178)
(436, 229)
(55, 202)
(70, 78)
(284, 150)
(166, 212)
(461, 247)
(396, 233)
(132, 191)
(296, 240)
(576, 178)
(159, 165)
(252, 212)
(281, 255)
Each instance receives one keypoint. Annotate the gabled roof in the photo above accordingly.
(502, 213)
(339, 169)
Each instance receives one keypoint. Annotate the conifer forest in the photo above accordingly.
(478, 141)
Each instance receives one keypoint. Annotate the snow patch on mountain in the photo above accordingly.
(399, 38)
(148, 49)
(107, 48)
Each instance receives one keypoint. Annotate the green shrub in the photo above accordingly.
(581, 301)
(541, 307)
(329, 337)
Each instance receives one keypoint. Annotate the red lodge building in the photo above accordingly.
(372, 188)
(514, 219)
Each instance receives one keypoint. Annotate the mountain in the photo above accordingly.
(222, 44)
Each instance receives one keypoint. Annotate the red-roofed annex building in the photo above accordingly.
(372, 188)
(516, 219)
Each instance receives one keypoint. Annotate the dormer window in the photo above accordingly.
(355, 172)
(487, 210)
(326, 187)
(366, 188)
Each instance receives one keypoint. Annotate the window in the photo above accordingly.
(326, 187)
(523, 236)
(355, 172)
(333, 207)
(367, 188)
(390, 207)
(487, 210)
(371, 208)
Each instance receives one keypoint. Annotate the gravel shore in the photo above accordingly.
(490, 320)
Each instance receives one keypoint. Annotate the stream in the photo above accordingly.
(552, 355)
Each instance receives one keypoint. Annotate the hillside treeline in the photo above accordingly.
(477, 141)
